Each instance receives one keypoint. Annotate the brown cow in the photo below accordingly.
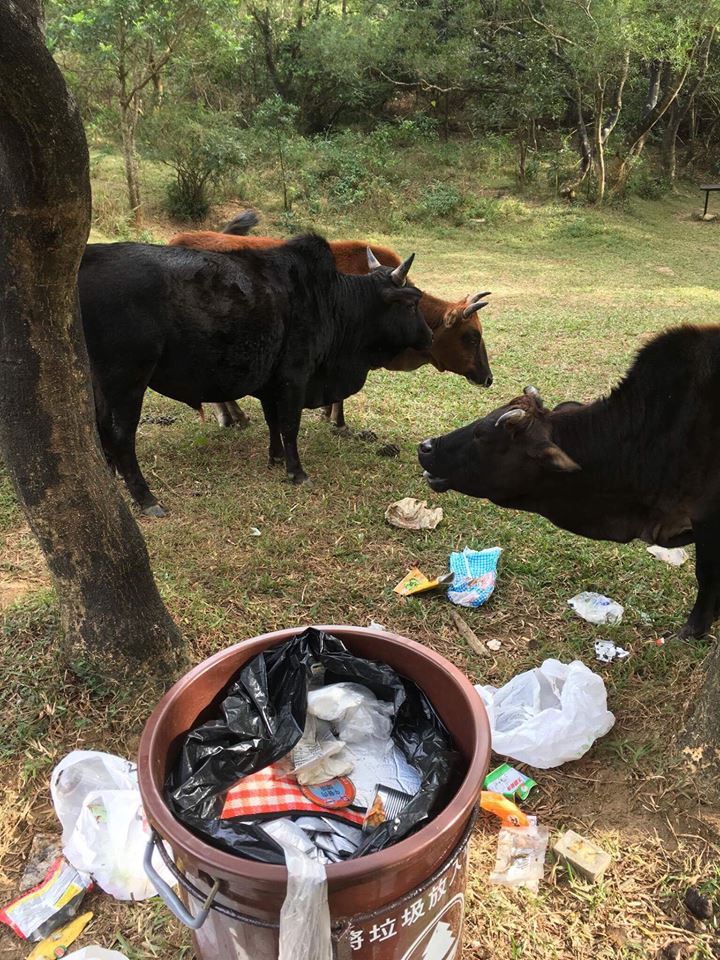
(457, 345)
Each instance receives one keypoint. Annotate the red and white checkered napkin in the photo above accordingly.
(272, 792)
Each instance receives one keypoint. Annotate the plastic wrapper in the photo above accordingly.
(521, 856)
(547, 716)
(596, 608)
(475, 576)
(261, 717)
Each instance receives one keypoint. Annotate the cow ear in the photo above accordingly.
(451, 317)
(556, 458)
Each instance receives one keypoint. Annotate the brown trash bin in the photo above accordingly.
(405, 902)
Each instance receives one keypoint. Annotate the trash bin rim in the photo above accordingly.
(220, 863)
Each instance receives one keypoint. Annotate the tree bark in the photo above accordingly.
(111, 612)
(128, 128)
(701, 739)
(599, 140)
(669, 142)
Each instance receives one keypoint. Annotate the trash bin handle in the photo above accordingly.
(168, 895)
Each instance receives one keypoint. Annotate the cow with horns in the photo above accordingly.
(457, 345)
(642, 463)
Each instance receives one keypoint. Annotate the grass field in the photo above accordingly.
(575, 293)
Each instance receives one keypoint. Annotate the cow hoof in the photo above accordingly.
(343, 431)
(154, 511)
(275, 461)
(692, 632)
(300, 479)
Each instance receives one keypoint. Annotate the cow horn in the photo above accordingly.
(472, 308)
(478, 296)
(373, 262)
(511, 416)
(532, 392)
(399, 274)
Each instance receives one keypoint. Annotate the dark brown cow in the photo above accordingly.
(642, 463)
(457, 347)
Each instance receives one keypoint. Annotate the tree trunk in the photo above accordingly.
(128, 127)
(111, 612)
(599, 140)
(701, 739)
(669, 142)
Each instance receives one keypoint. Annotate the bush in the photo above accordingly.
(439, 201)
(203, 150)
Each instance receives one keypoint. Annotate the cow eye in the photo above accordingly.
(471, 338)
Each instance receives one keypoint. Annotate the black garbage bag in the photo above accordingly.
(263, 717)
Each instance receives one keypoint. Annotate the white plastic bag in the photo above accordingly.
(548, 716)
(305, 914)
(93, 952)
(97, 800)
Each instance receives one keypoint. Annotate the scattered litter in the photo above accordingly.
(509, 812)
(521, 856)
(509, 782)
(475, 574)
(645, 618)
(472, 639)
(606, 651)
(56, 945)
(44, 851)
(374, 625)
(255, 532)
(415, 581)
(97, 801)
(584, 856)
(675, 556)
(597, 609)
(493, 645)
(43, 908)
(548, 716)
(388, 450)
(698, 904)
(412, 514)
(659, 641)
(93, 952)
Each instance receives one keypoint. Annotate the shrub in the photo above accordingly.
(439, 201)
(202, 149)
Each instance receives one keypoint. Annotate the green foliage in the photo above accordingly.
(203, 151)
(511, 77)
(440, 202)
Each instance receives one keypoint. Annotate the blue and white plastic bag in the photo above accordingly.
(475, 576)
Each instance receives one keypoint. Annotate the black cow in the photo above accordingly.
(282, 325)
(643, 462)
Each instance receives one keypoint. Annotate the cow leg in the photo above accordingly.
(238, 416)
(228, 414)
(126, 416)
(337, 417)
(326, 412)
(289, 409)
(707, 571)
(276, 451)
(222, 414)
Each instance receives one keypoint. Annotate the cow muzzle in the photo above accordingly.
(425, 456)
